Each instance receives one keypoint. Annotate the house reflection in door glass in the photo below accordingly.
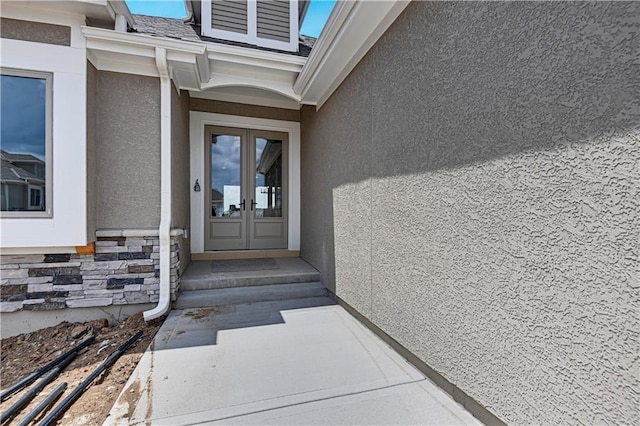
(268, 182)
(225, 176)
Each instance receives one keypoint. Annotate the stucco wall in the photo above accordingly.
(180, 188)
(475, 182)
(92, 168)
(128, 149)
(38, 32)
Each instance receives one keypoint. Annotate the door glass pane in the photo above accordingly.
(225, 176)
(268, 182)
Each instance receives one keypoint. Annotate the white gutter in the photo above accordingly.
(164, 231)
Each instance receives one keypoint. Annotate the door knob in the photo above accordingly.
(242, 204)
(252, 204)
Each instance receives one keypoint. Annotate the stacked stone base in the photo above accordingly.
(125, 269)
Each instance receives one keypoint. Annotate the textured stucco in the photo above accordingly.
(92, 169)
(180, 187)
(35, 31)
(244, 110)
(475, 186)
(128, 148)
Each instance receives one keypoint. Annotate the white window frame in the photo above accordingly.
(252, 28)
(48, 183)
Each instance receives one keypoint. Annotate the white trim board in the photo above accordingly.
(197, 122)
(351, 30)
(34, 13)
(67, 225)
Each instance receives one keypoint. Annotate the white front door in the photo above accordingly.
(245, 189)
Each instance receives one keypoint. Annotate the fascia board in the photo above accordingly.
(129, 39)
(329, 33)
(352, 29)
(132, 50)
(127, 43)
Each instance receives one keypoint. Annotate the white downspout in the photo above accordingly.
(121, 23)
(164, 302)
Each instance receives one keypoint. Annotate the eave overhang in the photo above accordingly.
(195, 66)
(351, 30)
(202, 67)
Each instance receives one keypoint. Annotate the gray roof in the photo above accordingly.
(19, 158)
(12, 173)
(180, 30)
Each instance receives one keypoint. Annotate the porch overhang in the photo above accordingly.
(246, 75)
(201, 68)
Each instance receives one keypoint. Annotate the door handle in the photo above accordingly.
(252, 204)
(242, 204)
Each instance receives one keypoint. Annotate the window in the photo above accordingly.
(266, 23)
(35, 198)
(25, 143)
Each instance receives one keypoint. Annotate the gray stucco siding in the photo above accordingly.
(473, 189)
(40, 32)
(128, 151)
(180, 185)
(92, 161)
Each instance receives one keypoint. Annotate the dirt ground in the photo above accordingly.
(23, 354)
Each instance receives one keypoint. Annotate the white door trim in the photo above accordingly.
(197, 121)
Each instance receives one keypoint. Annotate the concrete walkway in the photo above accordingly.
(297, 362)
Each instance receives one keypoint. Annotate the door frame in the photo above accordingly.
(197, 122)
(248, 232)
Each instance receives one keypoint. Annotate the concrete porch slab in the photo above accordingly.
(214, 274)
(301, 361)
(238, 295)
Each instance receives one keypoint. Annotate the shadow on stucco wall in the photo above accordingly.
(472, 189)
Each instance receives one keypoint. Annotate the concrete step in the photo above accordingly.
(207, 275)
(254, 294)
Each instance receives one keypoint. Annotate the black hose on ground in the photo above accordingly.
(27, 397)
(54, 395)
(69, 400)
(33, 376)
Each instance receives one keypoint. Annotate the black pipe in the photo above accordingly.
(27, 397)
(44, 404)
(33, 376)
(66, 403)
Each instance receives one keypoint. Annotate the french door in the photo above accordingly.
(246, 189)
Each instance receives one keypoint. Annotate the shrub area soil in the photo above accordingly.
(23, 354)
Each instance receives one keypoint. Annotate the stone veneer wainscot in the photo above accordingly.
(124, 270)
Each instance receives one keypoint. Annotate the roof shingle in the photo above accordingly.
(180, 30)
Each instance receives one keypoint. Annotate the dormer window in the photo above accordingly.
(265, 23)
